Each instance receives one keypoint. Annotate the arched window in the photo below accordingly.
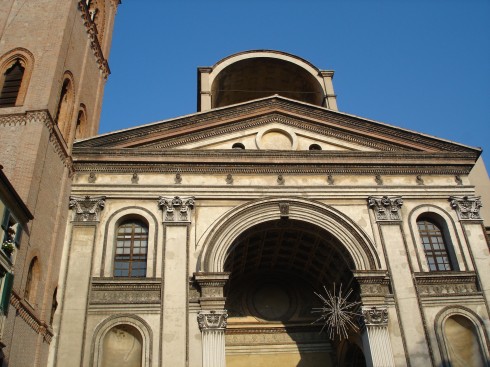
(11, 83)
(462, 343)
(32, 281)
(81, 124)
(435, 246)
(131, 249)
(65, 108)
(54, 305)
(122, 347)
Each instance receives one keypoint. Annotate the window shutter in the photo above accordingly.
(7, 289)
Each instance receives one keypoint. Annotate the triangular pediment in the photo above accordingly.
(273, 123)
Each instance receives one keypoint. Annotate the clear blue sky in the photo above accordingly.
(421, 65)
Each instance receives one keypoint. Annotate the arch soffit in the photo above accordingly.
(457, 310)
(302, 63)
(123, 319)
(220, 237)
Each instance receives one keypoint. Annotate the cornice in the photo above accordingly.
(256, 161)
(94, 41)
(29, 318)
(342, 122)
(55, 137)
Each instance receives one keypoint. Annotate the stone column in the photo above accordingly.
(375, 337)
(330, 97)
(77, 278)
(176, 222)
(212, 318)
(212, 325)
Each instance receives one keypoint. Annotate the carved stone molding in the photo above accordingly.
(86, 208)
(446, 284)
(211, 286)
(373, 285)
(467, 207)
(212, 320)
(284, 209)
(386, 208)
(375, 316)
(176, 209)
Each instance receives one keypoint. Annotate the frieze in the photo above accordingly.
(86, 208)
(446, 284)
(106, 291)
(176, 209)
(245, 167)
(212, 320)
(242, 337)
(386, 208)
(375, 316)
(467, 207)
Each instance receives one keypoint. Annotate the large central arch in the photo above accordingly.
(219, 240)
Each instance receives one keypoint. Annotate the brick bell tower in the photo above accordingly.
(53, 69)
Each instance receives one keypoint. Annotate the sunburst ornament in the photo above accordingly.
(337, 313)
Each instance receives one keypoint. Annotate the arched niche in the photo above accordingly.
(255, 74)
(122, 341)
(462, 338)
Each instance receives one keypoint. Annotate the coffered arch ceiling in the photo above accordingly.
(290, 248)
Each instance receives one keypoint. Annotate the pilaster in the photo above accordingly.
(176, 218)
(376, 338)
(388, 216)
(86, 214)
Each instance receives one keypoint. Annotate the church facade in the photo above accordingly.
(267, 228)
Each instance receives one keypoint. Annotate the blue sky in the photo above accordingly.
(421, 65)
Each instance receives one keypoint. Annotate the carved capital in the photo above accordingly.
(467, 207)
(212, 320)
(375, 316)
(176, 209)
(86, 208)
(386, 208)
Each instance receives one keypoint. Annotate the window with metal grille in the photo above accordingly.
(131, 249)
(435, 247)
(12, 80)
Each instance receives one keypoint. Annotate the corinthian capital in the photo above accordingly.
(86, 208)
(467, 207)
(176, 209)
(375, 316)
(386, 208)
(212, 320)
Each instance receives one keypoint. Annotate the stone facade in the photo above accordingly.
(207, 240)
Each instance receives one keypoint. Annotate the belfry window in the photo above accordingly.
(131, 249)
(12, 80)
(435, 246)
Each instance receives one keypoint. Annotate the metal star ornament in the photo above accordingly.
(337, 313)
